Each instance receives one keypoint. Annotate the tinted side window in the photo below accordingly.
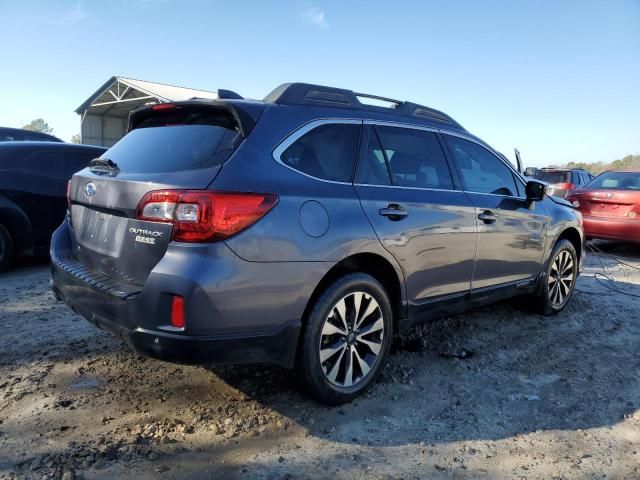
(480, 170)
(35, 138)
(415, 158)
(372, 168)
(42, 163)
(327, 152)
(10, 137)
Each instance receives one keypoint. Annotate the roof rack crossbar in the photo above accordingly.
(377, 97)
(309, 94)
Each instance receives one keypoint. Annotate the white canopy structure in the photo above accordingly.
(104, 115)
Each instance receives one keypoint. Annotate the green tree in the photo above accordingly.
(630, 161)
(75, 138)
(38, 125)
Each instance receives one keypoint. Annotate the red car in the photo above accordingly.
(610, 205)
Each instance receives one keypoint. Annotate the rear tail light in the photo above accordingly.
(163, 106)
(69, 194)
(564, 186)
(177, 312)
(203, 215)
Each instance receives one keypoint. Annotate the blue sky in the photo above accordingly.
(559, 80)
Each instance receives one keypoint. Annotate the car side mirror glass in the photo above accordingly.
(535, 191)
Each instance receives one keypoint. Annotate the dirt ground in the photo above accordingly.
(495, 393)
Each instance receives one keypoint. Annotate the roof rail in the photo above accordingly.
(309, 94)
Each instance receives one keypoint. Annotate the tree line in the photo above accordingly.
(630, 161)
(40, 125)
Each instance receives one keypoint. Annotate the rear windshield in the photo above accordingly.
(553, 177)
(616, 181)
(160, 146)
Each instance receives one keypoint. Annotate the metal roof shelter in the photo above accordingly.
(104, 115)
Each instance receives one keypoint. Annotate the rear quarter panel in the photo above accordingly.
(314, 220)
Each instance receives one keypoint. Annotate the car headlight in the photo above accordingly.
(576, 204)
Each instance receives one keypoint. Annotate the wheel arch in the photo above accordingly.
(379, 268)
(572, 234)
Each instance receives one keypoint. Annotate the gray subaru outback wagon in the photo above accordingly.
(304, 230)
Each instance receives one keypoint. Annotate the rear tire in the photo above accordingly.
(345, 339)
(559, 279)
(6, 249)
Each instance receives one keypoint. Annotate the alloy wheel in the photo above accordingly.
(561, 278)
(351, 339)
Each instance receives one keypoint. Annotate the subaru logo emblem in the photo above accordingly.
(90, 190)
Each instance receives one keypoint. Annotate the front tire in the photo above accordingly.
(6, 249)
(345, 339)
(559, 279)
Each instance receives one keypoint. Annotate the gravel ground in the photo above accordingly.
(495, 393)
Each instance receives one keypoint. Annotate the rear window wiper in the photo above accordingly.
(103, 166)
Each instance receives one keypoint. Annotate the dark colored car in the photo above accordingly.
(610, 205)
(304, 230)
(19, 135)
(33, 188)
(562, 181)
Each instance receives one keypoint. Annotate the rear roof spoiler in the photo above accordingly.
(246, 113)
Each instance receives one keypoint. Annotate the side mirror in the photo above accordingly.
(535, 191)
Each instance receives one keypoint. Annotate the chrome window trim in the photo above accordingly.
(307, 127)
(389, 123)
(517, 175)
(407, 188)
(304, 129)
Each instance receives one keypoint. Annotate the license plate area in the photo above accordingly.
(609, 209)
(121, 247)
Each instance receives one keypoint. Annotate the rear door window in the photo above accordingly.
(327, 152)
(414, 158)
(42, 163)
(480, 170)
(10, 137)
(372, 167)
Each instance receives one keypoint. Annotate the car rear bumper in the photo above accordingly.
(228, 318)
(264, 347)
(626, 229)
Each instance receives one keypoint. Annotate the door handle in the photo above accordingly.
(487, 216)
(393, 211)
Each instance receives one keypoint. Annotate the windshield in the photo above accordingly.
(616, 181)
(553, 177)
(173, 148)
